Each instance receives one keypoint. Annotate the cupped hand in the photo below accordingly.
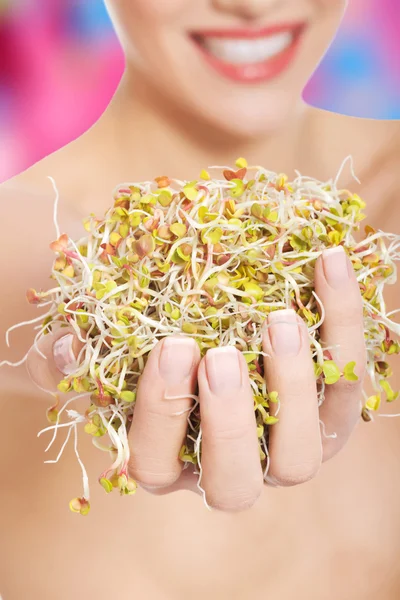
(232, 477)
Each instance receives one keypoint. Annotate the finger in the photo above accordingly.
(159, 423)
(230, 458)
(187, 481)
(295, 440)
(343, 333)
(59, 354)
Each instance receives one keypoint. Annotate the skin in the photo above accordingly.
(155, 39)
(186, 117)
(232, 476)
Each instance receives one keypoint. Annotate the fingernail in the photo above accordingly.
(223, 369)
(284, 332)
(176, 359)
(63, 354)
(336, 266)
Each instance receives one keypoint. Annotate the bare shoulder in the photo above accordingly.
(75, 180)
(356, 126)
(374, 146)
(368, 141)
(58, 165)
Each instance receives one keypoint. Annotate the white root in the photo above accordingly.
(121, 299)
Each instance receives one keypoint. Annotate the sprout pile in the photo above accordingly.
(209, 259)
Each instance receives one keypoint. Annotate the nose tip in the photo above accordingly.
(248, 9)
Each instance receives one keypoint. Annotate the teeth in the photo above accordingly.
(248, 51)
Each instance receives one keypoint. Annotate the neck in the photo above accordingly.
(144, 125)
(141, 136)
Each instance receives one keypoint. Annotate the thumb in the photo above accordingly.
(60, 350)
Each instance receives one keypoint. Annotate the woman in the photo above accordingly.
(206, 82)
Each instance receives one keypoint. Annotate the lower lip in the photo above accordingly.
(255, 72)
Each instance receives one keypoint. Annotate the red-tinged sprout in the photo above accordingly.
(230, 175)
(61, 244)
(123, 202)
(33, 297)
(80, 506)
(210, 259)
(163, 181)
(102, 400)
(144, 246)
(71, 254)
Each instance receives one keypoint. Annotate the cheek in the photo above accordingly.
(334, 6)
(155, 9)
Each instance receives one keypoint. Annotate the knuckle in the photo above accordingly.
(350, 303)
(344, 386)
(234, 433)
(236, 501)
(295, 474)
(348, 314)
(298, 388)
(153, 475)
(170, 412)
(234, 496)
(353, 312)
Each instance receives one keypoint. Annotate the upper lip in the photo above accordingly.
(249, 33)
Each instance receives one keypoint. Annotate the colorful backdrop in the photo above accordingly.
(60, 63)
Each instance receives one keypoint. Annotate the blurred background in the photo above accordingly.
(60, 63)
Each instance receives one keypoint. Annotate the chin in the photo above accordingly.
(250, 120)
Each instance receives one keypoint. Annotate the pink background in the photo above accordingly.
(60, 63)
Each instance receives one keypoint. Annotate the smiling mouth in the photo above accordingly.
(247, 55)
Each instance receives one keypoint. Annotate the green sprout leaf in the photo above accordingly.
(391, 396)
(241, 163)
(273, 397)
(211, 236)
(249, 357)
(257, 210)
(317, 370)
(297, 243)
(106, 484)
(91, 429)
(348, 372)
(175, 314)
(331, 372)
(128, 396)
(178, 229)
(165, 198)
(254, 290)
(270, 420)
(64, 386)
(209, 259)
(184, 252)
(238, 188)
(80, 506)
(190, 191)
(373, 402)
(189, 328)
